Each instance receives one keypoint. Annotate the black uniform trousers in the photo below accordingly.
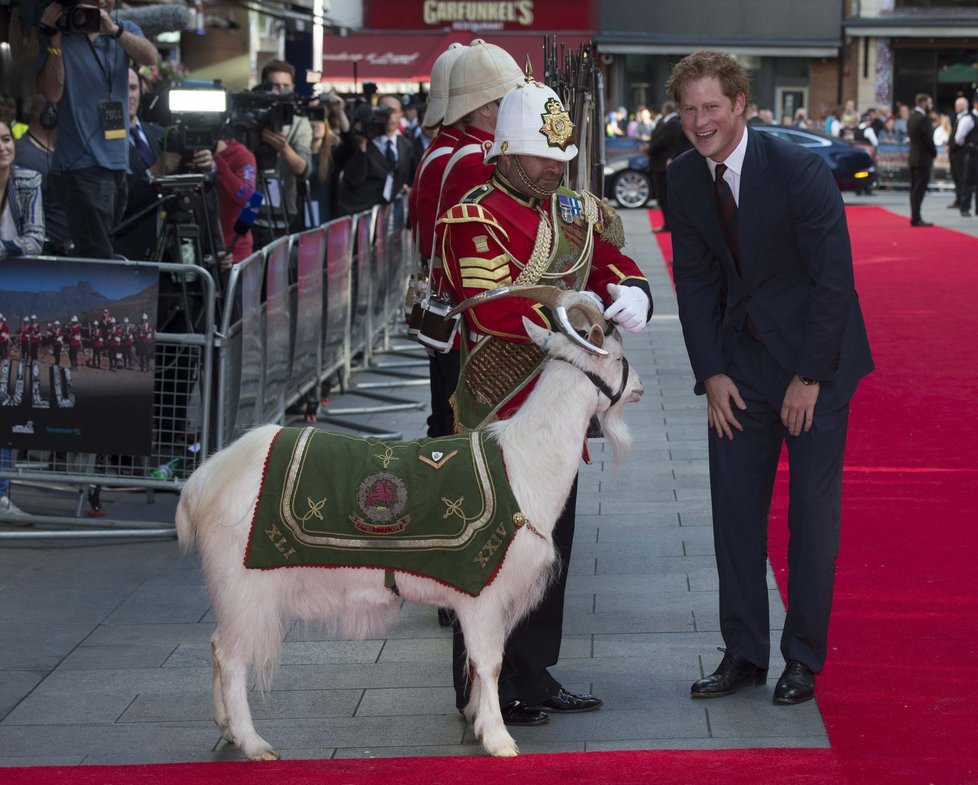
(919, 178)
(742, 474)
(442, 380)
(534, 645)
(970, 190)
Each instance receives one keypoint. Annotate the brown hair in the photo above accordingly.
(277, 65)
(705, 63)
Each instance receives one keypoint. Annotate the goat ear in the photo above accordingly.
(536, 333)
(595, 336)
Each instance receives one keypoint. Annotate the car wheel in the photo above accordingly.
(632, 188)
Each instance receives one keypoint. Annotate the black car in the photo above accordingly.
(627, 180)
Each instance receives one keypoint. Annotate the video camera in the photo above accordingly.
(193, 116)
(77, 17)
(252, 111)
(370, 121)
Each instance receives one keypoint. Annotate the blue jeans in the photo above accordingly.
(95, 201)
(6, 463)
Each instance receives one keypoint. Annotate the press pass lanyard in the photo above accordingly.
(112, 115)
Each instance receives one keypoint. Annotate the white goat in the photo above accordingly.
(542, 444)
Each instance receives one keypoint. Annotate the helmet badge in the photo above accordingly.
(557, 125)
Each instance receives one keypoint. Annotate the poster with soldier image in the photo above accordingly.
(77, 346)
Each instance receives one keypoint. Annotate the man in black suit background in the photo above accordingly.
(923, 151)
(381, 167)
(776, 340)
(666, 143)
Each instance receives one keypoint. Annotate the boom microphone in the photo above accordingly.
(156, 19)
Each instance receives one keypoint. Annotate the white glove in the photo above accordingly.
(630, 307)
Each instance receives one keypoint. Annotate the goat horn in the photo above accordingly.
(554, 298)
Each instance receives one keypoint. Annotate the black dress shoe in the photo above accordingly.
(733, 673)
(965, 214)
(796, 685)
(565, 702)
(518, 713)
(921, 223)
(954, 206)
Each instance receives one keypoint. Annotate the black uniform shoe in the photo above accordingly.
(796, 685)
(921, 222)
(518, 713)
(565, 702)
(733, 673)
(965, 214)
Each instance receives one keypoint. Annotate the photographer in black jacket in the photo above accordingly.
(382, 164)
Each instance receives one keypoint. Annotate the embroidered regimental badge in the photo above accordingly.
(557, 125)
(382, 497)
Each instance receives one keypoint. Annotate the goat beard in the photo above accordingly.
(616, 432)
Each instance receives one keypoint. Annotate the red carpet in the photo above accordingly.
(896, 695)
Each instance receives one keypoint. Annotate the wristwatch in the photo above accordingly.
(808, 381)
(118, 32)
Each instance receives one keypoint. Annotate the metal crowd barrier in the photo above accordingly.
(307, 308)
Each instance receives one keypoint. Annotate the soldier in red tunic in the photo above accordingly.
(522, 227)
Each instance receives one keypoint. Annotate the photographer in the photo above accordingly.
(84, 73)
(292, 145)
(150, 159)
(381, 166)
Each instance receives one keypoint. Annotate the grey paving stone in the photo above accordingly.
(104, 648)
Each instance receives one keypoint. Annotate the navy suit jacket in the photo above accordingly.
(796, 281)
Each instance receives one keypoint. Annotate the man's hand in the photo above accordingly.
(108, 25)
(203, 160)
(798, 408)
(720, 391)
(630, 308)
(277, 141)
(49, 18)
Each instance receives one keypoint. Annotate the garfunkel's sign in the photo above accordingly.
(479, 15)
(440, 12)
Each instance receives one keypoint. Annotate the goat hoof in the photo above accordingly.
(499, 745)
(268, 754)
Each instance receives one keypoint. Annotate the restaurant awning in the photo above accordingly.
(398, 63)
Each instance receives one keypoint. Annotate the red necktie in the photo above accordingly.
(727, 208)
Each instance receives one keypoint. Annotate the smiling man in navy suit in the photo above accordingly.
(776, 339)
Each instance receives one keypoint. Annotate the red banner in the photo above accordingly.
(479, 16)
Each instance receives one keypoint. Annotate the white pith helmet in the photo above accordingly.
(482, 74)
(533, 121)
(441, 72)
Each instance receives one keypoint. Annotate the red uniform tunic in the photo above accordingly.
(424, 197)
(469, 167)
(483, 240)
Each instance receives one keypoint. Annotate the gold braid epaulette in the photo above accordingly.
(471, 213)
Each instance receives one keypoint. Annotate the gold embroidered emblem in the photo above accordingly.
(315, 509)
(557, 125)
(481, 244)
(387, 457)
(437, 459)
(453, 507)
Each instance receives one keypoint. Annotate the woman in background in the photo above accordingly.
(21, 234)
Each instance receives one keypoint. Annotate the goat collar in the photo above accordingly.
(601, 384)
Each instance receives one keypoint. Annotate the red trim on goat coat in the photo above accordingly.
(264, 475)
